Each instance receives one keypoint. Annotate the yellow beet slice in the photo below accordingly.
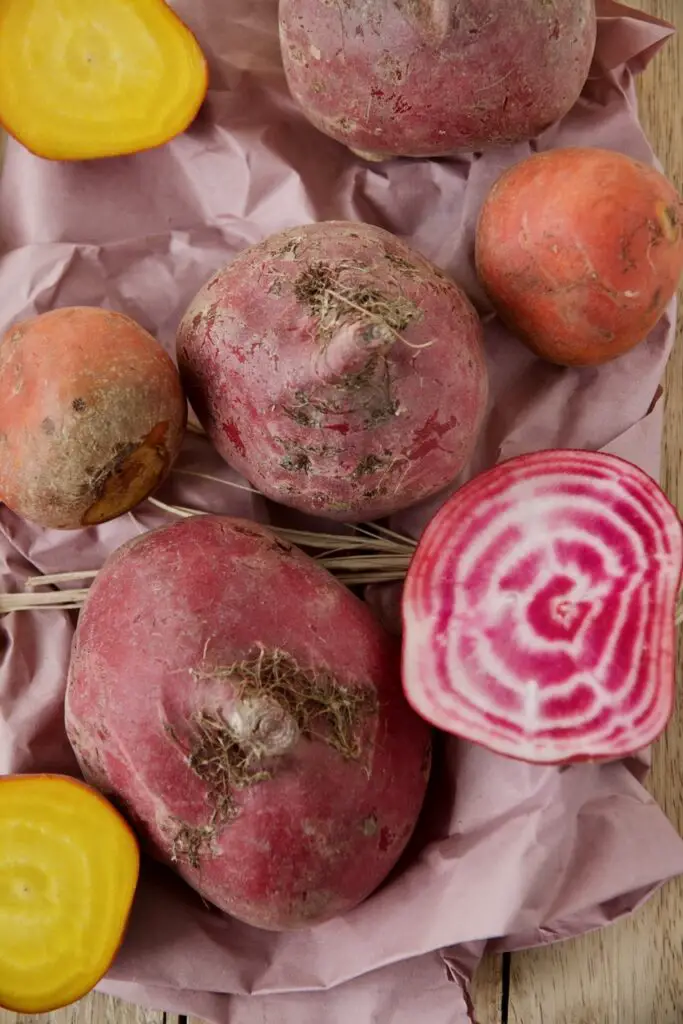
(69, 867)
(81, 79)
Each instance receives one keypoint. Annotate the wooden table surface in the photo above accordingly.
(631, 973)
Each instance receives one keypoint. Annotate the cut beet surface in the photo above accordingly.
(539, 610)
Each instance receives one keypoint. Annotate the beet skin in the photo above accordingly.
(245, 710)
(338, 370)
(92, 416)
(581, 251)
(430, 77)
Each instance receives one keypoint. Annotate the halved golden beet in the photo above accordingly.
(69, 867)
(81, 79)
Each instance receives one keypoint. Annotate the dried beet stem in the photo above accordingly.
(190, 843)
(276, 702)
(333, 303)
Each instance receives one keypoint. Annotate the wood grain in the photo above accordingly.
(487, 991)
(632, 973)
(96, 1009)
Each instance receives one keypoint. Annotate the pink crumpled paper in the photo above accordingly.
(507, 855)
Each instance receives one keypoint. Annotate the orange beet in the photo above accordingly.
(91, 419)
(69, 868)
(580, 251)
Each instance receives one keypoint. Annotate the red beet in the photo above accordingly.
(539, 610)
(340, 371)
(246, 710)
(428, 77)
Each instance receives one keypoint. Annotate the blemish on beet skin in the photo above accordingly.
(401, 106)
(233, 435)
(428, 435)
(386, 838)
(244, 531)
(369, 826)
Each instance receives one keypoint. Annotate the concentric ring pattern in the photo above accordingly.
(82, 79)
(539, 610)
(68, 873)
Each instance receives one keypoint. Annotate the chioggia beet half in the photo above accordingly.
(539, 610)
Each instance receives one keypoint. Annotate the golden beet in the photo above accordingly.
(580, 251)
(97, 78)
(69, 867)
(91, 419)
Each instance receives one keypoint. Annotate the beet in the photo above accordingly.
(69, 866)
(246, 711)
(92, 416)
(539, 610)
(581, 251)
(338, 370)
(430, 77)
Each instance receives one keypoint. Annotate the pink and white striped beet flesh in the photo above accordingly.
(539, 610)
